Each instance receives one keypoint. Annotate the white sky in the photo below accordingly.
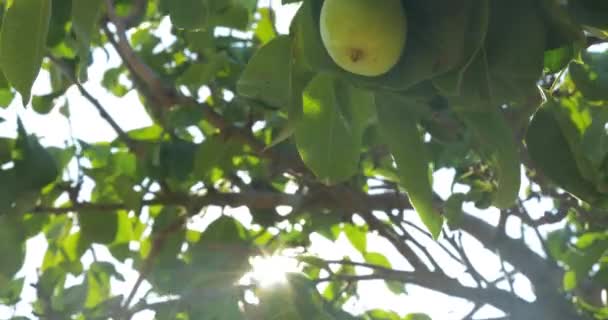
(129, 114)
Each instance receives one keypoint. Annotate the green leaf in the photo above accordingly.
(297, 299)
(45, 103)
(34, 165)
(111, 81)
(514, 52)
(450, 83)
(221, 254)
(591, 77)
(214, 152)
(151, 133)
(498, 146)
(98, 283)
(98, 226)
(558, 59)
(480, 110)
(592, 13)
(545, 142)
(400, 132)
(327, 141)
(177, 159)
(594, 142)
(12, 245)
(72, 299)
(233, 14)
(186, 14)
(377, 259)
(22, 43)
(357, 237)
(563, 31)
(453, 210)
(199, 74)
(10, 294)
(6, 97)
(417, 316)
(85, 15)
(383, 314)
(266, 74)
(265, 30)
(59, 18)
(570, 281)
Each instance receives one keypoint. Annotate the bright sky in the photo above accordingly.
(129, 114)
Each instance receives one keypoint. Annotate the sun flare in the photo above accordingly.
(272, 270)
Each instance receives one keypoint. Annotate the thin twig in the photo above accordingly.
(503, 268)
(66, 70)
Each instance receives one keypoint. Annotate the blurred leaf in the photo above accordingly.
(186, 14)
(177, 159)
(44, 104)
(222, 252)
(297, 299)
(215, 151)
(72, 299)
(377, 259)
(265, 30)
(98, 226)
(98, 283)
(34, 165)
(23, 38)
(12, 246)
(10, 294)
(85, 15)
(417, 316)
(592, 13)
(357, 237)
(570, 282)
(453, 210)
(383, 315)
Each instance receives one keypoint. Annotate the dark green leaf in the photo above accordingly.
(591, 78)
(186, 14)
(85, 15)
(12, 247)
(98, 226)
(545, 142)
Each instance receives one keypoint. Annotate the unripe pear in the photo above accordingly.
(365, 37)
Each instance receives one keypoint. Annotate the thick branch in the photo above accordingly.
(161, 93)
(519, 308)
(546, 277)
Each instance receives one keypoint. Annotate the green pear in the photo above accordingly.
(364, 37)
